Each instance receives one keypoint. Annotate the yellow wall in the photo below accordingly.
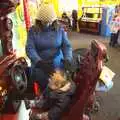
(55, 3)
(79, 7)
(85, 2)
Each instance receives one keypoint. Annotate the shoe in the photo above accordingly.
(33, 116)
(27, 104)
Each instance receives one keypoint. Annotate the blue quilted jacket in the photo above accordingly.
(48, 44)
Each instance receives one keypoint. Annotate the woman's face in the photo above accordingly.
(46, 24)
(42, 24)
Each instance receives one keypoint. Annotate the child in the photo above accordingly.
(56, 98)
(115, 27)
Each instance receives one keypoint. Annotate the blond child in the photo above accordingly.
(56, 98)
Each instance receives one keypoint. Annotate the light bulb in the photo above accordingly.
(0, 88)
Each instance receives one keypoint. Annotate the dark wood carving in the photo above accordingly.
(8, 57)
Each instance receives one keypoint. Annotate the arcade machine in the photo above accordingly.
(91, 21)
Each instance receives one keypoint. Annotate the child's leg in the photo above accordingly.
(62, 103)
(60, 106)
(36, 103)
(29, 103)
(38, 116)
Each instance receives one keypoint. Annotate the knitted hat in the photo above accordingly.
(46, 13)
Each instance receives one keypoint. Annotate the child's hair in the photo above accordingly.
(59, 79)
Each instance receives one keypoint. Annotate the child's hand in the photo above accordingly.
(46, 66)
(66, 87)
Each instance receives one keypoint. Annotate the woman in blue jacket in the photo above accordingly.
(47, 45)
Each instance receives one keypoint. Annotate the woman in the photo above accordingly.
(115, 31)
(47, 44)
(66, 19)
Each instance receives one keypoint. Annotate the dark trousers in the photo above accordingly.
(40, 77)
(113, 39)
(74, 25)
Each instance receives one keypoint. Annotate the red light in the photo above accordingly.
(36, 89)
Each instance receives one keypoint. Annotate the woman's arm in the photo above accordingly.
(30, 47)
(66, 46)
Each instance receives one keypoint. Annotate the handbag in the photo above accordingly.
(106, 76)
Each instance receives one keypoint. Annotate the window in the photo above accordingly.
(68, 5)
(93, 0)
(1, 49)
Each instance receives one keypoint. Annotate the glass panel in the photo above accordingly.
(1, 49)
(68, 5)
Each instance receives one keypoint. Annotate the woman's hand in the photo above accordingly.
(46, 66)
(68, 65)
